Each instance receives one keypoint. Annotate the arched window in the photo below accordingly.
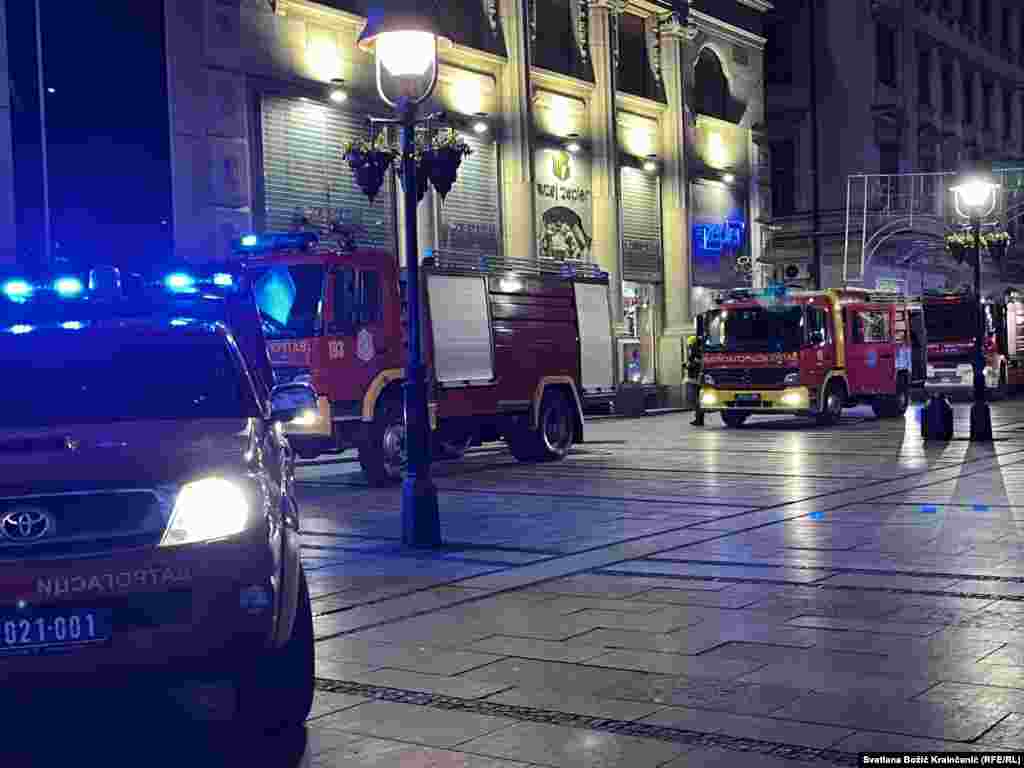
(711, 88)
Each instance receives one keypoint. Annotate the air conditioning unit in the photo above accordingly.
(794, 271)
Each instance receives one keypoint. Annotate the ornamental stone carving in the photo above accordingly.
(580, 28)
(491, 14)
(653, 41)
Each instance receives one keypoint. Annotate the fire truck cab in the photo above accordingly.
(952, 321)
(811, 353)
(511, 353)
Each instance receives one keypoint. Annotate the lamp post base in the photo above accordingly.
(421, 520)
(981, 423)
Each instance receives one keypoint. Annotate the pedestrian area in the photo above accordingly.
(777, 595)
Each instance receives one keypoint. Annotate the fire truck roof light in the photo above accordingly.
(68, 287)
(21, 328)
(180, 282)
(223, 279)
(72, 325)
(249, 241)
(272, 240)
(18, 289)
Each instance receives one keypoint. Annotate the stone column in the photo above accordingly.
(997, 113)
(958, 96)
(606, 248)
(935, 81)
(7, 215)
(518, 214)
(675, 230)
(979, 108)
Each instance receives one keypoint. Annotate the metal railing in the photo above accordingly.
(524, 266)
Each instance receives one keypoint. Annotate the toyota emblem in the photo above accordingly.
(26, 524)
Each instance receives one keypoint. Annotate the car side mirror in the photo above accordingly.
(288, 401)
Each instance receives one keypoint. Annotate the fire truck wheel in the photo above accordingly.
(276, 692)
(382, 454)
(832, 407)
(734, 419)
(894, 406)
(552, 439)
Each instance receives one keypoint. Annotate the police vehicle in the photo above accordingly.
(148, 520)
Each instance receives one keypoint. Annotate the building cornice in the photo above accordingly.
(758, 5)
(321, 14)
(730, 32)
(555, 82)
(638, 105)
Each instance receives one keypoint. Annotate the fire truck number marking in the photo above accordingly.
(336, 349)
(364, 346)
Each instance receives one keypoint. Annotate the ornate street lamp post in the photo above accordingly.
(404, 38)
(976, 196)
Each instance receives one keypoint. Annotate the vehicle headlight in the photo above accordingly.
(792, 378)
(708, 398)
(793, 399)
(307, 418)
(930, 371)
(709, 379)
(211, 508)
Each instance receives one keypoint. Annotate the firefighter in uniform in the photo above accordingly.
(694, 370)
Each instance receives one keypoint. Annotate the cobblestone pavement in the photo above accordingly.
(780, 594)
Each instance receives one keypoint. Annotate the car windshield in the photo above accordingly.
(954, 321)
(288, 298)
(65, 378)
(755, 329)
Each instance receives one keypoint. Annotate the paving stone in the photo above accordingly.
(665, 620)
(567, 678)
(723, 695)
(577, 704)
(379, 753)
(1008, 733)
(327, 703)
(875, 741)
(676, 664)
(748, 727)
(893, 714)
(721, 758)
(413, 658)
(881, 627)
(532, 648)
(679, 642)
(418, 681)
(411, 723)
(573, 748)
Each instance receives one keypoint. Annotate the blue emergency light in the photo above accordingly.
(68, 287)
(22, 328)
(18, 289)
(269, 241)
(180, 282)
(223, 279)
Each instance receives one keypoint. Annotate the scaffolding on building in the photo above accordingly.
(914, 212)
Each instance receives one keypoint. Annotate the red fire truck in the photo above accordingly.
(952, 321)
(512, 354)
(811, 353)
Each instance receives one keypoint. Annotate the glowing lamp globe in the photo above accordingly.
(975, 194)
(405, 39)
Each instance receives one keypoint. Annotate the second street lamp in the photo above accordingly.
(975, 198)
(405, 41)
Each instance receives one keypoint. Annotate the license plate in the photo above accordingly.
(748, 397)
(50, 630)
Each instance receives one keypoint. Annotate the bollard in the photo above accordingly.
(937, 419)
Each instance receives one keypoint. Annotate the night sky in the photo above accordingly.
(107, 129)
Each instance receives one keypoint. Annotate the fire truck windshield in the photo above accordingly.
(288, 298)
(62, 378)
(755, 329)
(953, 321)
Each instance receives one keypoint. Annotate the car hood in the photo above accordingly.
(120, 455)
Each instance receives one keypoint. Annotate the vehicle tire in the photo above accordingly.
(453, 448)
(733, 418)
(553, 437)
(832, 405)
(276, 693)
(382, 454)
(892, 406)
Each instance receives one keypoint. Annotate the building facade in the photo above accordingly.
(901, 91)
(615, 131)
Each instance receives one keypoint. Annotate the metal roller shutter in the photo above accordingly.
(303, 169)
(470, 221)
(641, 226)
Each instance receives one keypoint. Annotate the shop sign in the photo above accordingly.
(478, 237)
(564, 205)
(718, 236)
